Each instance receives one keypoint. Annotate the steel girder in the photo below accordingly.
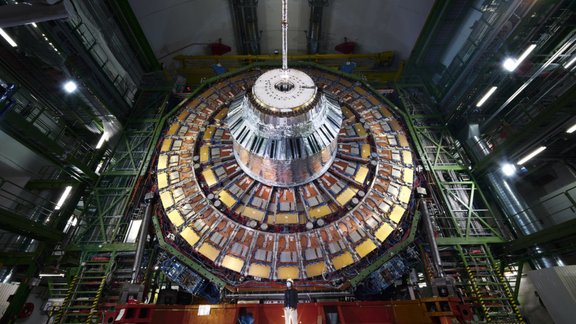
(105, 216)
(468, 214)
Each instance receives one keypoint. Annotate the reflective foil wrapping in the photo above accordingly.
(284, 135)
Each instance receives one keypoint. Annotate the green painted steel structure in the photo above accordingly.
(106, 212)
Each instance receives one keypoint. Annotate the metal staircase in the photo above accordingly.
(487, 286)
(57, 289)
(84, 293)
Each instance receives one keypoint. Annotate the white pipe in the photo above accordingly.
(284, 35)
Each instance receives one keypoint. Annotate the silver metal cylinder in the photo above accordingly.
(431, 239)
(142, 237)
(285, 131)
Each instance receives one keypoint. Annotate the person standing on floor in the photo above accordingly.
(290, 303)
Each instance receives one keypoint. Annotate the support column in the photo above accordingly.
(148, 198)
(315, 26)
(245, 18)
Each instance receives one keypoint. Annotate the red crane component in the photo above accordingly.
(219, 48)
(347, 47)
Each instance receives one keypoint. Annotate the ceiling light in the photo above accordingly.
(486, 96)
(70, 86)
(511, 64)
(526, 53)
(8, 38)
(508, 169)
(48, 275)
(570, 63)
(63, 198)
(103, 139)
(571, 129)
(531, 155)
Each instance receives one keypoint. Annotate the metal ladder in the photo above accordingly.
(83, 297)
(488, 286)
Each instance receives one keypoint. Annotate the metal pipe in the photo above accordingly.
(315, 25)
(252, 31)
(523, 219)
(431, 239)
(245, 20)
(284, 35)
(142, 236)
(237, 26)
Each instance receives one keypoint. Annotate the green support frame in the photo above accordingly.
(105, 215)
(467, 217)
(464, 218)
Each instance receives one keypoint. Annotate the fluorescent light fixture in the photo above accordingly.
(99, 167)
(531, 155)
(508, 169)
(133, 231)
(47, 275)
(33, 24)
(511, 64)
(63, 198)
(72, 221)
(103, 139)
(9, 276)
(70, 86)
(570, 63)
(571, 129)
(8, 38)
(486, 96)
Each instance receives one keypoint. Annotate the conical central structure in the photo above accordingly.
(284, 130)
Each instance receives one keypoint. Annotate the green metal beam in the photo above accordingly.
(199, 268)
(129, 162)
(549, 234)
(105, 247)
(18, 224)
(468, 240)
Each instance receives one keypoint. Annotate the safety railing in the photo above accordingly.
(552, 210)
(18, 200)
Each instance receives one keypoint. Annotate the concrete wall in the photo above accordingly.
(184, 27)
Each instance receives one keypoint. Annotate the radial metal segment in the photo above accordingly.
(224, 209)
